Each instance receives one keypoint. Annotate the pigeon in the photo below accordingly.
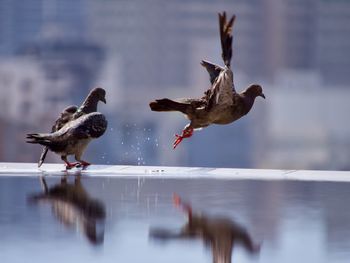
(221, 104)
(220, 234)
(73, 112)
(73, 206)
(73, 138)
(65, 116)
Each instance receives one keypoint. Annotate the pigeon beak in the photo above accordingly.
(104, 100)
(262, 95)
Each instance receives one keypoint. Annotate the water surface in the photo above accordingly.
(110, 219)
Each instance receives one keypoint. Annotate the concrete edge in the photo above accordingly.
(31, 169)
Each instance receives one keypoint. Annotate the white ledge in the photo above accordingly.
(31, 169)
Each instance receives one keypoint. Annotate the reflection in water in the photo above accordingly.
(72, 205)
(220, 234)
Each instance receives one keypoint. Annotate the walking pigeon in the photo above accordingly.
(73, 206)
(73, 138)
(220, 234)
(73, 112)
(221, 104)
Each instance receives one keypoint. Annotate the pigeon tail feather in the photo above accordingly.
(168, 105)
(37, 138)
(43, 156)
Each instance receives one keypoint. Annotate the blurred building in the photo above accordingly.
(311, 35)
(141, 50)
(306, 124)
(333, 42)
(23, 22)
(70, 69)
(22, 90)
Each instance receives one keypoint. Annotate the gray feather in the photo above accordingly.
(67, 140)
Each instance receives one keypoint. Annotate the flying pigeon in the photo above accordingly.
(73, 138)
(73, 112)
(221, 104)
(219, 234)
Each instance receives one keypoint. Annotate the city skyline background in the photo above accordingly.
(53, 52)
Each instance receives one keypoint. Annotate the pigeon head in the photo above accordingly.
(254, 91)
(90, 103)
(99, 93)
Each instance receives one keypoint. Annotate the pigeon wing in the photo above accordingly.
(222, 90)
(226, 37)
(213, 70)
(65, 116)
(87, 126)
(92, 125)
(194, 103)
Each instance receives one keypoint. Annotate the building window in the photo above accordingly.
(26, 86)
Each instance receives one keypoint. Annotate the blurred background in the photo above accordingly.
(52, 52)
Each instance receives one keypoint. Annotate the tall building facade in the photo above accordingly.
(25, 22)
(140, 50)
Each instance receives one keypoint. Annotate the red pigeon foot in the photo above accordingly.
(84, 164)
(176, 200)
(70, 165)
(179, 204)
(186, 133)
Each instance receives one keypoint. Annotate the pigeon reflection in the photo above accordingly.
(73, 206)
(218, 234)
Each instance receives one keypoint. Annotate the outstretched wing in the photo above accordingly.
(213, 70)
(226, 37)
(222, 89)
(65, 116)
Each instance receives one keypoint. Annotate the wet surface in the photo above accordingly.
(105, 219)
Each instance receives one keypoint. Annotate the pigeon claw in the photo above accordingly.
(84, 164)
(186, 133)
(70, 165)
(177, 141)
